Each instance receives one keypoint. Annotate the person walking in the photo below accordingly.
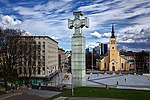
(117, 82)
(39, 86)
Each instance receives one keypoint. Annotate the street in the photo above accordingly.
(28, 94)
(23, 96)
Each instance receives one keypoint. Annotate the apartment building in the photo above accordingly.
(37, 58)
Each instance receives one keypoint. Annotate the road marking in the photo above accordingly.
(10, 96)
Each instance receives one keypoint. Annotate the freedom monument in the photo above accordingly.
(78, 49)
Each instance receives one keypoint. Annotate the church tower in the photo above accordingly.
(113, 54)
(113, 61)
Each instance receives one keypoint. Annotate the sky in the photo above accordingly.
(131, 19)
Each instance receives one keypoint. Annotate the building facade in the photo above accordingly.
(61, 58)
(68, 58)
(105, 49)
(142, 62)
(130, 57)
(113, 61)
(38, 58)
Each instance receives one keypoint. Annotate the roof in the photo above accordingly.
(112, 32)
(35, 37)
(129, 53)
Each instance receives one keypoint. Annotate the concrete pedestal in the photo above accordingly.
(78, 60)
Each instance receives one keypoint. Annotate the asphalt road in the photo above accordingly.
(23, 96)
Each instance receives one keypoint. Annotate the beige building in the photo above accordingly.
(130, 57)
(61, 59)
(38, 59)
(113, 61)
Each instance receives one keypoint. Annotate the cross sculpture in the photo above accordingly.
(78, 23)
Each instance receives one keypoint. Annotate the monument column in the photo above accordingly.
(78, 49)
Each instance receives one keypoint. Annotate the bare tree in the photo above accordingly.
(27, 56)
(9, 51)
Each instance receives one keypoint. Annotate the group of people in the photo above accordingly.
(13, 88)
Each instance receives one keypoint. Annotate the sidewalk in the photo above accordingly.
(10, 93)
(42, 93)
(84, 98)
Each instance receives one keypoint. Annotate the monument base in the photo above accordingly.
(78, 60)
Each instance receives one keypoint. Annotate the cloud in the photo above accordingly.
(28, 12)
(107, 35)
(135, 34)
(28, 34)
(53, 37)
(96, 34)
(127, 41)
(9, 21)
(136, 39)
(50, 18)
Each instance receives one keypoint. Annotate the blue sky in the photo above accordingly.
(50, 17)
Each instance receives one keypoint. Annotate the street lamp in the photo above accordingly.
(134, 62)
(92, 46)
(72, 87)
(149, 62)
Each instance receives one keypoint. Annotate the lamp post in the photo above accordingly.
(72, 90)
(92, 60)
(92, 56)
(149, 62)
(72, 86)
(134, 62)
(99, 45)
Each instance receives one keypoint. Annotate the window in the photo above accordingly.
(30, 71)
(34, 71)
(39, 53)
(39, 42)
(25, 72)
(112, 41)
(39, 46)
(20, 63)
(34, 43)
(39, 63)
(43, 63)
(25, 63)
(43, 52)
(130, 65)
(122, 65)
(34, 63)
(44, 46)
(20, 70)
(43, 70)
(39, 70)
(105, 66)
(43, 58)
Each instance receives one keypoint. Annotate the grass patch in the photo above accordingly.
(106, 93)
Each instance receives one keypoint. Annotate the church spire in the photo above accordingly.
(112, 32)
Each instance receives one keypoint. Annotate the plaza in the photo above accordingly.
(123, 81)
